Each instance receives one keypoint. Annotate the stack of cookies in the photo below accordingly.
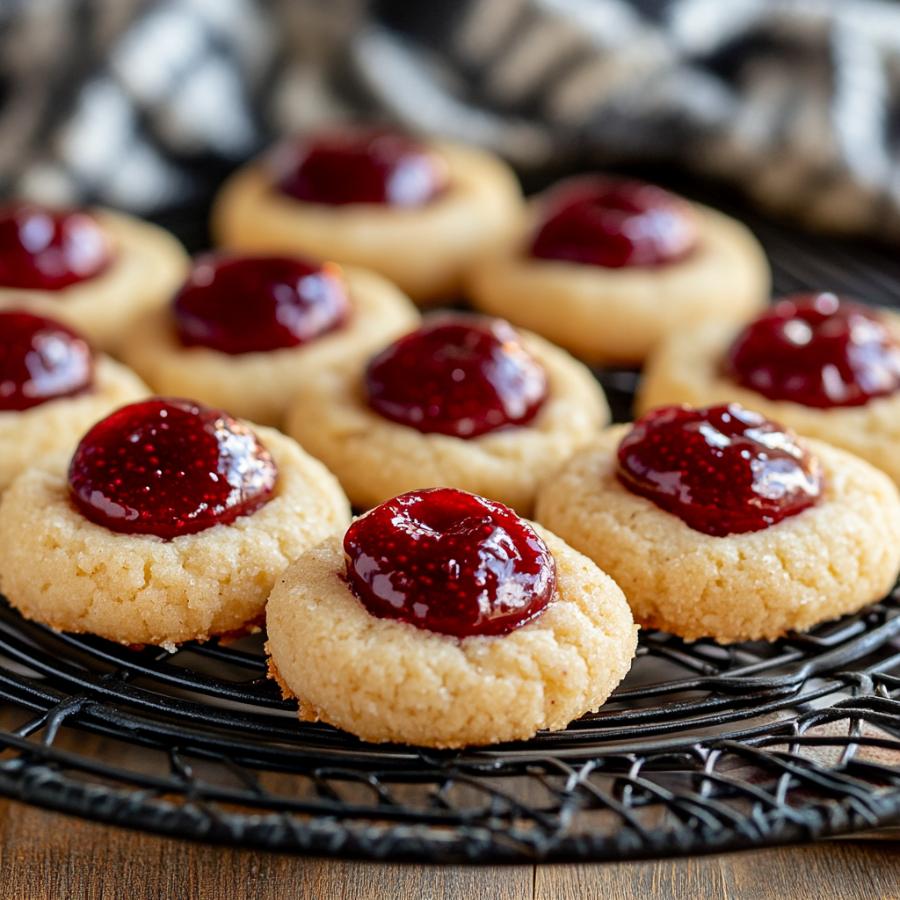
(184, 441)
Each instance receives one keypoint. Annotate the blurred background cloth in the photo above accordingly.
(145, 105)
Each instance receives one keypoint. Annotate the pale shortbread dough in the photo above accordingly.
(686, 369)
(424, 250)
(149, 265)
(375, 458)
(385, 680)
(74, 575)
(617, 316)
(31, 435)
(259, 386)
(831, 559)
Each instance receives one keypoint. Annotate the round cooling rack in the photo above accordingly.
(703, 748)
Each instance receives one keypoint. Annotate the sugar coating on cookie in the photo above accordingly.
(375, 458)
(147, 267)
(829, 560)
(423, 250)
(260, 386)
(77, 576)
(617, 316)
(385, 680)
(29, 436)
(686, 368)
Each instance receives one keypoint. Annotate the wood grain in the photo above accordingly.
(844, 870)
(44, 855)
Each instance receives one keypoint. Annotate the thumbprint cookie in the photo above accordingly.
(608, 267)
(443, 619)
(171, 524)
(718, 522)
(464, 401)
(245, 332)
(825, 366)
(416, 211)
(52, 388)
(95, 270)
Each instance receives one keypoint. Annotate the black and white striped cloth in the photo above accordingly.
(144, 104)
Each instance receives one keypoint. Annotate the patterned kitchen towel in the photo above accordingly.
(144, 104)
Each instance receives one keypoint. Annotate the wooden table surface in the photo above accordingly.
(47, 855)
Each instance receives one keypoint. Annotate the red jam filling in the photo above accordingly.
(449, 562)
(722, 470)
(257, 303)
(47, 250)
(40, 360)
(816, 350)
(613, 223)
(369, 166)
(169, 467)
(458, 375)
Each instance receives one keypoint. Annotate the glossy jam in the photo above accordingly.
(457, 375)
(359, 166)
(721, 470)
(816, 350)
(40, 360)
(47, 250)
(449, 562)
(257, 303)
(613, 223)
(169, 467)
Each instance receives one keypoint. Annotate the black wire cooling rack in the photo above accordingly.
(702, 748)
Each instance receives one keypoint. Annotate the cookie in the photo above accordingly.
(29, 437)
(52, 388)
(828, 560)
(76, 574)
(614, 309)
(130, 267)
(384, 679)
(689, 368)
(257, 373)
(432, 387)
(452, 202)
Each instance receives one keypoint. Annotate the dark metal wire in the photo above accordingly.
(703, 748)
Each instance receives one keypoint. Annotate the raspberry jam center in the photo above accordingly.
(48, 250)
(40, 360)
(169, 467)
(817, 350)
(258, 303)
(449, 562)
(722, 470)
(613, 223)
(374, 166)
(462, 376)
